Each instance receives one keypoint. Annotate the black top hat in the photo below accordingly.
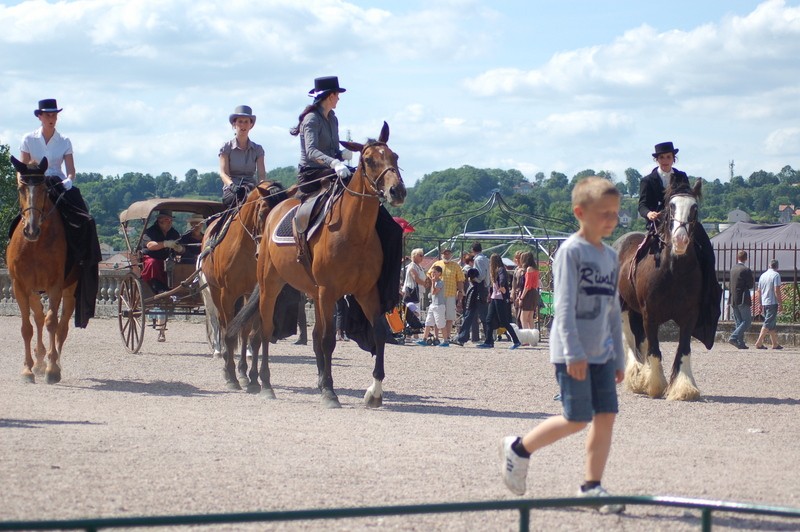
(47, 106)
(244, 111)
(665, 147)
(324, 86)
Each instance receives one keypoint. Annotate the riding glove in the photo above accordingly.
(341, 170)
(67, 183)
(347, 155)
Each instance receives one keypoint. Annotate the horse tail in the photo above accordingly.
(244, 316)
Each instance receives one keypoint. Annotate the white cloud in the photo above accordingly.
(783, 142)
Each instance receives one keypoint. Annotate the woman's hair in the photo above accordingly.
(416, 251)
(495, 263)
(517, 255)
(527, 260)
(296, 129)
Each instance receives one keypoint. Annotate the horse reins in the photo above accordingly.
(373, 183)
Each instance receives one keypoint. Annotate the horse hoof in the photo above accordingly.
(331, 401)
(244, 382)
(374, 402)
(234, 385)
(53, 378)
(267, 393)
(253, 388)
(217, 354)
(29, 378)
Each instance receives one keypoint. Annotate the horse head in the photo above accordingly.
(681, 215)
(378, 167)
(32, 191)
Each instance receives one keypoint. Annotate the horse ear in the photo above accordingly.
(43, 165)
(352, 146)
(698, 186)
(19, 166)
(384, 136)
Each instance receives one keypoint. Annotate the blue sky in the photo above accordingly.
(538, 86)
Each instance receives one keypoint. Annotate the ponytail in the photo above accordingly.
(309, 108)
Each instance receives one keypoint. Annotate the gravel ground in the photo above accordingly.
(158, 433)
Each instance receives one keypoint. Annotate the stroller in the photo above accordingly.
(412, 323)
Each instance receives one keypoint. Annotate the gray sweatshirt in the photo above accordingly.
(587, 322)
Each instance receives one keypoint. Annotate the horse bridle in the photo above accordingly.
(373, 183)
(35, 180)
(688, 225)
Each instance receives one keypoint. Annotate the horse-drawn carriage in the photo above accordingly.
(138, 303)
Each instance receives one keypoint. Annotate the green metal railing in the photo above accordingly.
(523, 506)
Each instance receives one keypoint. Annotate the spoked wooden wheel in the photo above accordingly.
(131, 313)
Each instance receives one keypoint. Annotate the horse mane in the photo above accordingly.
(675, 188)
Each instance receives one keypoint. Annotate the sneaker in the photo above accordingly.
(734, 342)
(423, 343)
(599, 491)
(446, 343)
(514, 468)
(514, 346)
(458, 343)
(742, 346)
(485, 346)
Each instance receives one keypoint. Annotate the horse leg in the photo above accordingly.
(26, 329)
(634, 369)
(654, 374)
(212, 318)
(67, 308)
(682, 386)
(227, 306)
(35, 304)
(253, 386)
(373, 398)
(268, 295)
(53, 371)
(324, 344)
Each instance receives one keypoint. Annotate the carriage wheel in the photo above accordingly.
(131, 313)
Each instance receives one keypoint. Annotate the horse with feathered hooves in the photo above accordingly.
(657, 288)
(37, 258)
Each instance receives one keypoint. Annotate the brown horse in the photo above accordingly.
(36, 258)
(346, 258)
(230, 271)
(655, 292)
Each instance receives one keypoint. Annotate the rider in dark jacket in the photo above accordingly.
(651, 203)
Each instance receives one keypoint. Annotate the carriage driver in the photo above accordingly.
(157, 242)
(651, 203)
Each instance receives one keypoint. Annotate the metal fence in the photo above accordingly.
(759, 256)
(523, 506)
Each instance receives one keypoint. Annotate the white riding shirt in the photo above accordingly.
(55, 151)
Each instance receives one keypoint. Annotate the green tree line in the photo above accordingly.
(439, 204)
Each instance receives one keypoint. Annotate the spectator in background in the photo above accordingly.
(499, 308)
(517, 285)
(529, 297)
(192, 240)
(741, 284)
(482, 308)
(453, 280)
(769, 289)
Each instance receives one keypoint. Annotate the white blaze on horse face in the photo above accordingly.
(681, 207)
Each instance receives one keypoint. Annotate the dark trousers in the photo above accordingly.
(470, 323)
(499, 316)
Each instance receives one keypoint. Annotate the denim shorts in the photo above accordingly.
(770, 317)
(597, 394)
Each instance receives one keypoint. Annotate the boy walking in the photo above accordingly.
(585, 345)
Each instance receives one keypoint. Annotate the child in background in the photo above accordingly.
(585, 345)
(435, 320)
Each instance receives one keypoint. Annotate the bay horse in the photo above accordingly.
(230, 273)
(346, 258)
(659, 289)
(37, 260)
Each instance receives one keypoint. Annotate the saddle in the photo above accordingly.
(308, 216)
(652, 244)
